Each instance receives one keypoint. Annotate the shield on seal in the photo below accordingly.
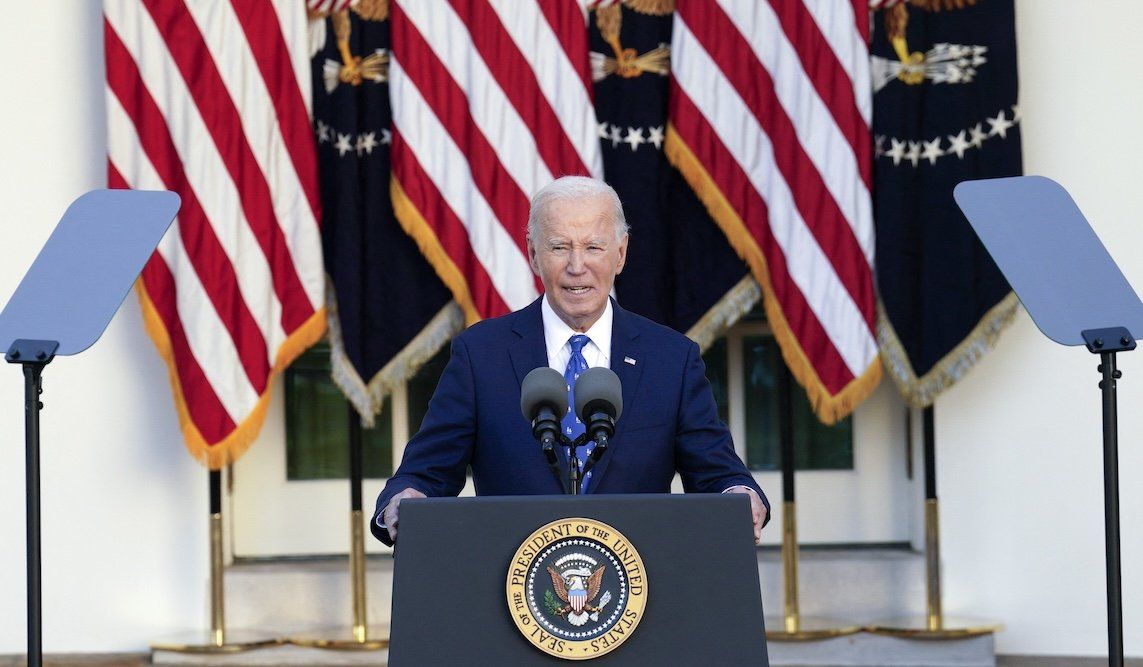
(577, 598)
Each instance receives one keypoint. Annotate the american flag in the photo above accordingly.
(210, 100)
(770, 110)
(491, 101)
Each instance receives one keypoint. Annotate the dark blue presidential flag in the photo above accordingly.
(944, 110)
(681, 271)
(388, 312)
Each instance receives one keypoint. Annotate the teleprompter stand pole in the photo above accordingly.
(1105, 343)
(33, 355)
(793, 626)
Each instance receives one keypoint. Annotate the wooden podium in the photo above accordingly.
(611, 579)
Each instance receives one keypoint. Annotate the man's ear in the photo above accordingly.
(622, 254)
(532, 254)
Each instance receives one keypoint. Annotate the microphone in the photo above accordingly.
(543, 400)
(598, 404)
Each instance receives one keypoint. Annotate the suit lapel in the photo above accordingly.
(627, 363)
(530, 351)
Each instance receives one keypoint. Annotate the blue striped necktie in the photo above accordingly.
(572, 426)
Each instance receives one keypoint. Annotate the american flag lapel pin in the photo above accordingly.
(628, 360)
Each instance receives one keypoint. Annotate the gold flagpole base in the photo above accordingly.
(208, 641)
(370, 638)
(807, 628)
(945, 627)
(218, 639)
(791, 626)
(935, 624)
(360, 636)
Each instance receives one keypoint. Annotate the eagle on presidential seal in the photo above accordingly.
(577, 588)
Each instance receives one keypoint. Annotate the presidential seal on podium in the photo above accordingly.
(576, 589)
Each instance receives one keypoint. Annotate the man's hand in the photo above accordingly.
(389, 516)
(757, 509)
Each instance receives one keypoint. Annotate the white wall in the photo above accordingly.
(1019, 440)
(124, 506)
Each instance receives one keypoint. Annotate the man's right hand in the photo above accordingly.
(389, 516)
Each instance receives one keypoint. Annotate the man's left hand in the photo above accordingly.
(757, 509)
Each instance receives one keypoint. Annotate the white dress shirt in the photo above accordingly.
(557, 332)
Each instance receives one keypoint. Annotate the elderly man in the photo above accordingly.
(577, 244)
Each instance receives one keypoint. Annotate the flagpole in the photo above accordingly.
(935, 624)
(217, 589)
(217, 639)
(361, 635)
(357, 528)
(793, 626)
(933, 615)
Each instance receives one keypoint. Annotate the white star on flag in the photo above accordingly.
(932, 151)
(978, 135)
(367, 142)
(635, 137)
(343, 146)
(914, 153)
(897, 151)
(999, 125)
(656, 136)
(958, 144)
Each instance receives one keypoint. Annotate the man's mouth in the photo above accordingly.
(578, 290)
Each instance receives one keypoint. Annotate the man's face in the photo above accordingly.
(577, 258)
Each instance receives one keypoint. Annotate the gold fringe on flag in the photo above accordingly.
(729, 309)
(367, 398)
(220, 454)
(828, 407)
(415, 226)
(920, 392)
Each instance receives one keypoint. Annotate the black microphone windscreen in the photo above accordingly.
(543, 386)
(598, 385)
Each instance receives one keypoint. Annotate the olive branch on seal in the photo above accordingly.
(551, 603)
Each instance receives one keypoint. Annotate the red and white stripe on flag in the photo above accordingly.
(328, 6)
(491, 101)
(770, 123)
(210, 100)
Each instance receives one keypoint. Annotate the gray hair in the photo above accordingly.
(567, 188)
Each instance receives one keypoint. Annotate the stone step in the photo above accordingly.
(858, 586)
(859, 650)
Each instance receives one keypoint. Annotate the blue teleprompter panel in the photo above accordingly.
(1050, 255)
(87, 267)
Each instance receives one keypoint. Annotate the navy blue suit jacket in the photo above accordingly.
(669, 423)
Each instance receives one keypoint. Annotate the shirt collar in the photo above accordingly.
(557, 332)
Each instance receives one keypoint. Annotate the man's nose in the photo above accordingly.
(576, 261)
